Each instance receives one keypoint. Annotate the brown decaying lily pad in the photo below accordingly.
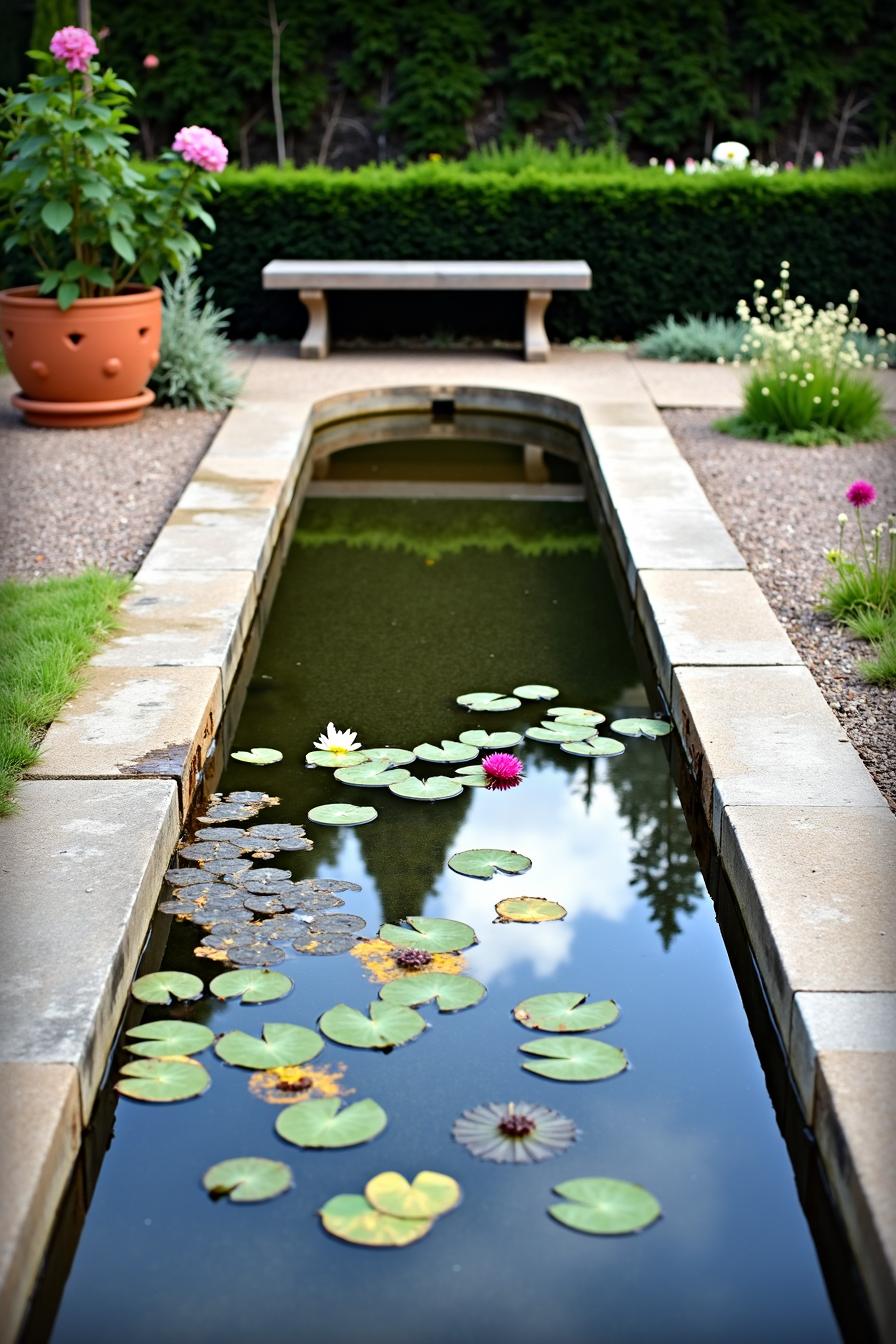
(299, 1082)
(380, 961)
(323, 944)
(204, 850)
(241, 805)
(337, 924)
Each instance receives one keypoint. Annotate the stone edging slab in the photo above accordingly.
(804, 835)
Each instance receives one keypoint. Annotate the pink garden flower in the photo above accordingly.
(818, 159)
(201, 146)
(151, 62)
(861, 493)
(503, 770)
(75, 46)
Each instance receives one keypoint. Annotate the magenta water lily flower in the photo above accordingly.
(201, 146)
(861, 493)
(503, 770)
(74, 46)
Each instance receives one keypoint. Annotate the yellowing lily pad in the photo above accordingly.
(352, 1218)
(163, 986)
(565, 1012)
(604, 1207)
(247, 1180)
(258, 756)
(162, 1080)
(251, 985)
(158, 1040)
(429, 1195)
(282, 1043)
(322, 1124)
(529, 910)
(574, 1059)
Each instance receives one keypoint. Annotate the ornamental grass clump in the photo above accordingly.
(862, 596)
(810, 383)
(194, 368)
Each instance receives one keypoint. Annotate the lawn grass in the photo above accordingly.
(48, 630)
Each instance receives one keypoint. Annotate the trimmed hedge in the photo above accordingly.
(657, 244)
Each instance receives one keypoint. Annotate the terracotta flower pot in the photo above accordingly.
(85, 367)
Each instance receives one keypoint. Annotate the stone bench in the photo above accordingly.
(538, 279)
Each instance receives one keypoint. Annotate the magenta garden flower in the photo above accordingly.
(861, 493)
(75, 46)
(503, 770)
(199, 145)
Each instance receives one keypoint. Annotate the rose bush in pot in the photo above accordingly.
(83, 341)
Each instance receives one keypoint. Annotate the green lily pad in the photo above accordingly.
(388, 1024)
(336, 760)
(283, 1045)
(450, 752)
(389, 755)
(594, 746)
(429, 934)
(488, 701)
(536, 692)
(529, 910)
(559, 734)
(429, 1195)
(251, 986)
(451, 992)
(485, 863)
(576, 712)
(375, 775)
(322, 1124)
(162, 1079)
(641, 727)
(351, 1218)
(472, 777)
(478, 737)
(604, 1207)
(575, 1059)
(247, 1180)
(160, 1040)
(574, 721)
(342, 814)
(435, 789)
(258, 756)
(163, 986)
(565, 1012)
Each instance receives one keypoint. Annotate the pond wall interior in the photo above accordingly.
(387, 609)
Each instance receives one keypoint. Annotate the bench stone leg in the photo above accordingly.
(316, 342)
(535, 339)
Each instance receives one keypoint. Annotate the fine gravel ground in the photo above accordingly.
(780, 505)
(75, 498)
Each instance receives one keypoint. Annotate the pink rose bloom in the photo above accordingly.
(201, 146)
(150, 62)
(75, 46)
(861, 493)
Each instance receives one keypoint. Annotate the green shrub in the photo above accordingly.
(509, 157)
(194, 359)
(693, 338)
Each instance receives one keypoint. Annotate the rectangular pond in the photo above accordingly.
(386, 611)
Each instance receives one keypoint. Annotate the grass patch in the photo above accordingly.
(48, 630)
(881, 669)
(815, 436)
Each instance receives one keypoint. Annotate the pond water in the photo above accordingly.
(386, 611)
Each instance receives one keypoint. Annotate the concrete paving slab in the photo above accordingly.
(691, 384)
(258, 431)
(157, 721)
(854, 1129)
(815, 890)
(662, 479)
(40, 1134)
(81, 868)
(195, 539)
(825, 1023)
(225, 468)
(764, 736)
(708, 618)
(204, 492)
(183, 619)
(652, 536)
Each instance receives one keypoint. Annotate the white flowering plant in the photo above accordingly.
(810, 382)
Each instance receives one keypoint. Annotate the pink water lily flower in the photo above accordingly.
(201, 146)
(74, 46)
(503, 770)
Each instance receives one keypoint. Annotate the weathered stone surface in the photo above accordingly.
(40, 1133)
(709, 618)
(82, 863)
(825, 1023)
(764, 736)
(653, 536)
(854, 1129)
(192, 619)
(209, 491)
(215, 539)
(261, 431)
(154, 721)
(815, 889)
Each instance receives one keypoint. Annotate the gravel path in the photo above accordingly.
(780, 505)
(73, 498)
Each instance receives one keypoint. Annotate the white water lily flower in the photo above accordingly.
(731, 152)
(337, 739)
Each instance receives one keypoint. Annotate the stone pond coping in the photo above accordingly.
(805, 837)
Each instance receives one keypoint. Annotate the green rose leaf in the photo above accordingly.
(488, 701)
(478, 737)
(255, 985)
(565, 1012)
(574, 1059)
(388, 1024)
(169, 1037)
(451, 992)
(342, 814)
(484, 863)
(162, 1080)
(258, 756)
(163, 986)
(283, 1045)
(66, 295)
(322, 1124)
(435, 789)
(429, 934)
(352, 1218)
(121, 244)
(536, 692)
(247, 1180)
(641, 727)
(453, 752)
(604, 1207)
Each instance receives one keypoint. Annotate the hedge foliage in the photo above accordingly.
(657, 244)
(366, 80)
